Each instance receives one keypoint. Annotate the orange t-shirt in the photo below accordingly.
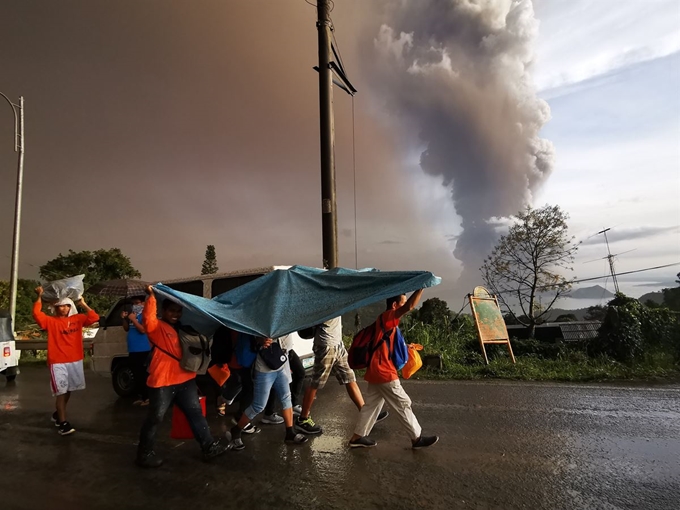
(164, 370)
(64, 334)
(382, 370)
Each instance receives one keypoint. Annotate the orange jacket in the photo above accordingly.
(164, 370)
(64, 334)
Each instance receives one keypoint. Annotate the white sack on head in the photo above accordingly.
(65, 301)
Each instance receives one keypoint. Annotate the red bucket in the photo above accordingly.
(180, 425)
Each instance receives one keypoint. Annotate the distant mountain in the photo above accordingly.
(594, 292)
(656, 297)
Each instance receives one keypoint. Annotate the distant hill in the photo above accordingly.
(554, 313)
(594, 292)
(656, 297)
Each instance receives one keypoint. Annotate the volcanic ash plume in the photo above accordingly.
(458, 71)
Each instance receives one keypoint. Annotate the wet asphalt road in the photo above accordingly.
(503, 445)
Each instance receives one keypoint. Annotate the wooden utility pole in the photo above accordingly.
(329, 216)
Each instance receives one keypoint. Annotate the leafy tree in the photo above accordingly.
(435, 311)
(566, 317)
(25, 298)
(97, 266)
(595, 313)
(526, 261)
(671, 297)
(210, 262)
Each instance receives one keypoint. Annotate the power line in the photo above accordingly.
(618, 274)
(547, 287)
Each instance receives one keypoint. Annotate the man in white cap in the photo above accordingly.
(64, 351)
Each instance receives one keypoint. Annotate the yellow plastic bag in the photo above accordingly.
(414, 362)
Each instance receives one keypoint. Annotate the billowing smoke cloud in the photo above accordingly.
(458, 72)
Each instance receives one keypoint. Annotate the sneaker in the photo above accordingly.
(424, 442)
(237, 445)
(272, 419)
(383, 415)
(251, 429)
(148, 460)
(138, 402)
(215, 449)
(144, 403)
(55, 419)
(362, 442)
(296, 439)
(297, 410)
(307, 426)
(65, 428)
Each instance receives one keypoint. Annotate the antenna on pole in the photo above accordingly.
(610, 258)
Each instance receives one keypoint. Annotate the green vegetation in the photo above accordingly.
(25, 299)
(635, 342)
(97, 266)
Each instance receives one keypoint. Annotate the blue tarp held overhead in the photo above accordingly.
(288, 300)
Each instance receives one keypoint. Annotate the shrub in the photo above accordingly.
(630, 329)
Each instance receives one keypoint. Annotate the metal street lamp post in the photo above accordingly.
(19, 148)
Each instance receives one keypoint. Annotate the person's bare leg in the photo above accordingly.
(62, 400)
(307, 401)
(287, 415)
(355, 394)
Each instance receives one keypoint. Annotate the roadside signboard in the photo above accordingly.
(489, 321)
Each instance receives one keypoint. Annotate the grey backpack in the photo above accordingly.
(195, 350)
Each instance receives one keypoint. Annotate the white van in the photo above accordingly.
(109, 346)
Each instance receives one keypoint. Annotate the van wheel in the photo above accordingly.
(11, 378)
(123, 379)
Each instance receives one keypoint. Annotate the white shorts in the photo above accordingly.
(67, 377)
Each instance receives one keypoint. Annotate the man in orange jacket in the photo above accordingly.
(169, 383)
(64, 351)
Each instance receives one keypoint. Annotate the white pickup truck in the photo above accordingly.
(109, 346)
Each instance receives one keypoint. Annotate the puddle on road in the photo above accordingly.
(9, 404)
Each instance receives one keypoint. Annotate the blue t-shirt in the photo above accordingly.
(136, 341)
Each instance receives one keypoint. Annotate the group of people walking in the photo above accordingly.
(268, 368)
